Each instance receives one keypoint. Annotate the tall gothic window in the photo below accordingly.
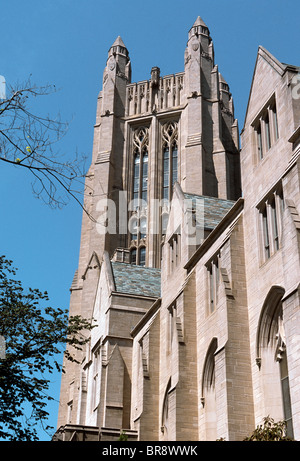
(96, 378)
(138, 219)
(272, 358)
(209, 393)
(266, 128)
(166, 411)
(140, 175)
(166, 173)
(170, 158)
(145, 176)
(136, 177)
(213, 283)
(271, 215)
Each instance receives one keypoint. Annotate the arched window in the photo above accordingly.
(209, 393)
(138, 256)
(272, 359)
(140, 174)
(170, 158)
(165, 412)
(138, 219)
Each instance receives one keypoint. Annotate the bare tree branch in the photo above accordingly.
(30, 141)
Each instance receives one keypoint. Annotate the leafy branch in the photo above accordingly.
(35, 335)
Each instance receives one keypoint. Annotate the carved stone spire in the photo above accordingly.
(199, 28)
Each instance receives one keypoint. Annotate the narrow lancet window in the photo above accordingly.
(166, 174)
(275, 119)
(145, 176)
(136, 180)
(268, 134)
(142, 256)
(133, 256)
(170, 158)
(140, 173)
(266, 233)
(259, 142)
(138, 219)
(174, 164)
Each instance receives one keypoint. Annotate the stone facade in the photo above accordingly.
(193, 285)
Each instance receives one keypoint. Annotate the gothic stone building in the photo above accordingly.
(191, 272)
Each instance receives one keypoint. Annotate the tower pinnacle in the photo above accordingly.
(199, 22)
(119, 42)
(199, 27)
(118, 48)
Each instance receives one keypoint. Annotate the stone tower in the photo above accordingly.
(151, 134)
(148, 136)
(194, 339)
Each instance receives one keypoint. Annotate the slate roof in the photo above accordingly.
(136, 280)
(146, 281)
(214, 209)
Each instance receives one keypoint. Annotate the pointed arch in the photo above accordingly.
(272, 358)
(209, 391)
(169, 158)
(268, 320)
(208, 374)
(165, 411)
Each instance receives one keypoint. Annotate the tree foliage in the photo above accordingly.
(34, 336)
(30, 142)
(269, 431)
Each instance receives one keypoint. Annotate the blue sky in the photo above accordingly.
(65, 42)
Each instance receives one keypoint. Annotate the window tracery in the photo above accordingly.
(138, 219)
(272, 358)
(140, 153)
(170, 157)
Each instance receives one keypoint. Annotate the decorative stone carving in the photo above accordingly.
(155, 74)
(195, 46)
(281, 342)
(169, 132)
(141, 138)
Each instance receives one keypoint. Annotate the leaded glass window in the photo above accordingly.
(145, 176)
(142, 260)
(140, 174)
(170, 158)
(138, 219)
(136, 179)
(166, 166)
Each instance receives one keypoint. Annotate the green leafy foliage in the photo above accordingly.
(269, 431)
(123, 437)
(35, 335)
